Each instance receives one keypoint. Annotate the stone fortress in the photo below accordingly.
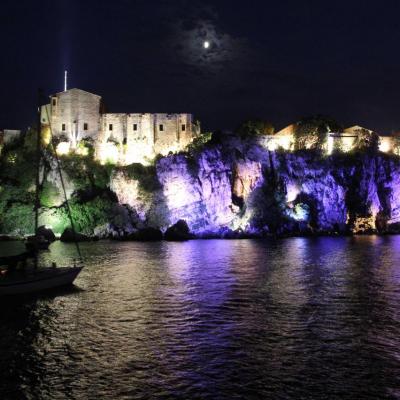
(78, 122)
(76, 119)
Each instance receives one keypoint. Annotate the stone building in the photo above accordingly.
(343, 141)
(75, 117)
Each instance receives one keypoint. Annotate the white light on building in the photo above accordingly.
(63, 148)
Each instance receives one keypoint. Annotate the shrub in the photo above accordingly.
(86, 172)
(49, 194)
(146, 175)
(87, 216)
(19, 218)
(312, 132)
(367, 140)
(251, 128)
(198, 143)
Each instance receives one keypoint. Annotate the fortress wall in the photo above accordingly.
(140, 142)
(144, 132)
(274, 142)
(168, 133)
(346, 143)
(74, 108)
(114, 127)
(45, 114)
(387, 144)
(136, 137)
(186, 135)
(172, 137)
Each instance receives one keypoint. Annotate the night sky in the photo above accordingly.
(275, 60)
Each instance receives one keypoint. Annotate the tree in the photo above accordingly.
(367, 140)
(312, 132)
(198, 143)
(252, 128)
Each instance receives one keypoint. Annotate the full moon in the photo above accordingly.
(206, 44)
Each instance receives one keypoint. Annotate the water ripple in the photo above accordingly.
(291, 319)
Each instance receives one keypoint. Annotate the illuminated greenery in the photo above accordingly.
(86, 172)
(86, 215)
(49, 195)
(17, 219)
(312, 132)
(367, 140)
(17, 190)
(146, 175)
(198, 143)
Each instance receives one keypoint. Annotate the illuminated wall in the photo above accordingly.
(343, 141)
(120, 137)
(74, 114)
(386, 144)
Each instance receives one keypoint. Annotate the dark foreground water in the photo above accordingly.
(292, 319)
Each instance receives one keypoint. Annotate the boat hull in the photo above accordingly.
(47, 279)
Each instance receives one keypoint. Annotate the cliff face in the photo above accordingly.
(236, 188)
(228, 189)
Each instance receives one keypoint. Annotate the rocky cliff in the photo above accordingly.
(238, 188)
(228, 188)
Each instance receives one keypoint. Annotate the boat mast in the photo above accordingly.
(37, 180)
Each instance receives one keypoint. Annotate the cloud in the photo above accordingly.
(188, 37)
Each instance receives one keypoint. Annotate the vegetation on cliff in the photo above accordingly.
(91, 200)
(311, 132)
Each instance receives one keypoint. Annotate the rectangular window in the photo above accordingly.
(54, 102)
(85, 126)
(63, 127)
(161, 127)
(135, 127)
(110, 127)
(124, 140)
(183, 127)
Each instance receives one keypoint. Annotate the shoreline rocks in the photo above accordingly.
(47, 233)
(179, 232)
(143, 235)
(68, 236)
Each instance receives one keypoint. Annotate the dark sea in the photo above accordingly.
(299, 318)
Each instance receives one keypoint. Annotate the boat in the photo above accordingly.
(37, 280)
(23, 273)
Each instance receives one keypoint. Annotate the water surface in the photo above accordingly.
(301, 318)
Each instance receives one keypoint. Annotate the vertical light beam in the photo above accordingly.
(65, 80)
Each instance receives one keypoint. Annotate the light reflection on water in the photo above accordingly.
(289, 319)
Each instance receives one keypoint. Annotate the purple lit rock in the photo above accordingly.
(240, 188)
